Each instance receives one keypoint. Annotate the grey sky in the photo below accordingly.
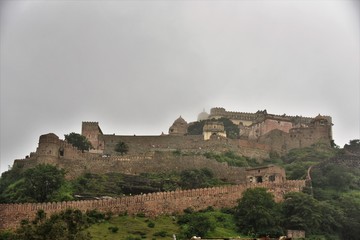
(135, 66)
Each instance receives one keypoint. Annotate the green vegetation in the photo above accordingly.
(298, 161)
(257, 214)
(315, 153)
(43, 183)
(354, 143)
(328, 210)
(134, 228)
(79, 141)
(115, 184)
(232, 130)
(47, 183)
(122, 148)
(196, 178)
(232, 159)
(301, 211)
(67, 225)
(206, 223)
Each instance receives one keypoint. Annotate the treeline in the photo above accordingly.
(66, 225)
(46, 183)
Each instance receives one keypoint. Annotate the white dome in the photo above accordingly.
(203, 116)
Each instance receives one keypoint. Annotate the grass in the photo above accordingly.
(224, 225)
(137, 227)
(131, 228)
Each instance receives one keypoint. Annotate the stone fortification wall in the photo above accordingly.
(248, 119)
(236, 117)
(152, 205)
(190, 143)
(158, 162)
(248, 148)
(261, 128)
(283, 142)
(297, 120)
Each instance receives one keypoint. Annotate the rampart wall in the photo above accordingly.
(190, 143)
(152, 205)
(218, 111)
(158, 162)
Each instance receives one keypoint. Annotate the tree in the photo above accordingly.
(257, 212)
(79, 141)
(350, 205)
(195, 224)
(302, 212)
(197, 178)
(122, 148)
(43, 181)
(232, 130)
(354, 142)
(66, 225)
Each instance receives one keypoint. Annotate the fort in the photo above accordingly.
(259, 134)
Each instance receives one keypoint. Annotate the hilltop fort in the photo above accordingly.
(253, 135)
(257, 135)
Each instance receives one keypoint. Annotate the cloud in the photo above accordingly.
(136, 66)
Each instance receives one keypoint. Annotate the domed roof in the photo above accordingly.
(203, 116)
(180, 120)
(179, 127)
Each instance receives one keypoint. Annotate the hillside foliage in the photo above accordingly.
(79, 141)
(231, 129)
(328, 210)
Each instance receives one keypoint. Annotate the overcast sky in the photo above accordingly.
(136, 66)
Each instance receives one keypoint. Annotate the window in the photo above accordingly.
(272, 178)
(259, 179)
(61, 152)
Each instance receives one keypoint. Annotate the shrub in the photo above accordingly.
(113, 229)
(151, 225)
(140, 215)
(160, 234)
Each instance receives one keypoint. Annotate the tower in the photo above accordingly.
(91, 131)
(213, 128)
(179, 127)
(49, 145)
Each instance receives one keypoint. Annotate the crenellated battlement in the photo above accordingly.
(90, 123)
(152, 204)
(222, 111)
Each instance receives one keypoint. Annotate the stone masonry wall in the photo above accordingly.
(193, 143)
(158, 162)
(152, 205)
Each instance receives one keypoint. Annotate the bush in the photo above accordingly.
(113, 229)
(160, 234)
(95, 216)
(151, 225)
(142, 215)
(132, 238)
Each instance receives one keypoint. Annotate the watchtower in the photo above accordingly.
(213, 128)
(49, 145)
(91, 131)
